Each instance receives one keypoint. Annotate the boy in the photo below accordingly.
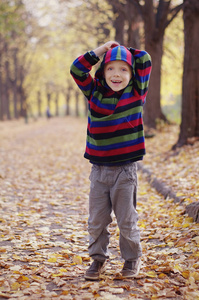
(115, 141)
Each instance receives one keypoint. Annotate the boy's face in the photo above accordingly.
(117, 74)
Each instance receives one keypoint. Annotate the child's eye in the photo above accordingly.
(124, 69)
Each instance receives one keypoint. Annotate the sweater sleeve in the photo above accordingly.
(80, 71)
(142, 71)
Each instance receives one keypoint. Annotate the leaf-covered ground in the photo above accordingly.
(44, 190)
(177, 169)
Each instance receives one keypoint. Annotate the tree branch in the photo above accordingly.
(174, 11)
(139, 6)
(117, 6)
(162, 12)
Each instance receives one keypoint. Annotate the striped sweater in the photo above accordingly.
(115, 127)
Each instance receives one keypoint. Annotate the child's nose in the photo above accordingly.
(116, 73)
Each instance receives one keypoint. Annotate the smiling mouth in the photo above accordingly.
(115, 81)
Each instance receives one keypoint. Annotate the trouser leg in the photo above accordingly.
(99, 216)
(123, 198)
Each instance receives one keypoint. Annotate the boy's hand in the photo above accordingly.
(110, 45)
(104, 48)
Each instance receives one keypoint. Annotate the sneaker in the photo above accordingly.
(94, 270)
(131, 268)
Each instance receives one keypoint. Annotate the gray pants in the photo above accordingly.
(113, 188)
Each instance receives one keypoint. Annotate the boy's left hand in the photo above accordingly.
(104, 48)
(110, 45)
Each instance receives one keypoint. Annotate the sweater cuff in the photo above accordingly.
(93, 55)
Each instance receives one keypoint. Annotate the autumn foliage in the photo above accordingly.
(44, 190)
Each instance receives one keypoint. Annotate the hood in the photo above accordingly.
(116, 53)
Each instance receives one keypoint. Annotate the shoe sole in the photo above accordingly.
(87, 277)
(91, 277)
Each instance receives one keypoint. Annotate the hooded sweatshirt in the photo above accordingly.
(115, 132)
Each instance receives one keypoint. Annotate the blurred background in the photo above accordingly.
(40, 39)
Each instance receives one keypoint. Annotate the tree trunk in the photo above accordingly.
(126, 24)
(1, 87)
(22, 96)
(193, 211)
(85, 106)
(67, 113)
(7, 89)
(152, 107)
(77, 103)
(15, 96)
(154, 36)
(49, 100)
(133, 20)
(57, 104)
(190, 94)
(39, 103)
(157, 15)
(119, 25)
(23, 105)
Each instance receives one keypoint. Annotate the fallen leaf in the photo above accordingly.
(77, 259)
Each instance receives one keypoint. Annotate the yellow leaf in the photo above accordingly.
(15, 286)
(151, 274)
(177, 224)
(22, 279)
(17, 272)
(77, 259)
(170, 244)
(185, 225)
(142, 224)
(52, 260)
(179, 194)
(35, 200)
(166, 281)
(195, 275)
(2, 250)
(16, 257)
(196, 238)
(62, 270)
(189, 220)
(154, 297)
(57, 275)
(64, 292)
(162, 275)
(143, 193)
(178, 268)
(185, 274)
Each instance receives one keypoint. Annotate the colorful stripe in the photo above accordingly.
(115, 126)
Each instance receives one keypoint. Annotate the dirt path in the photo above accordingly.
(44, 189)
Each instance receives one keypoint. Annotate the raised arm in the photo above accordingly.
(81, 67)
(142, 68)
(80, 71)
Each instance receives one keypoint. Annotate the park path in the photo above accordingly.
(44, 189)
